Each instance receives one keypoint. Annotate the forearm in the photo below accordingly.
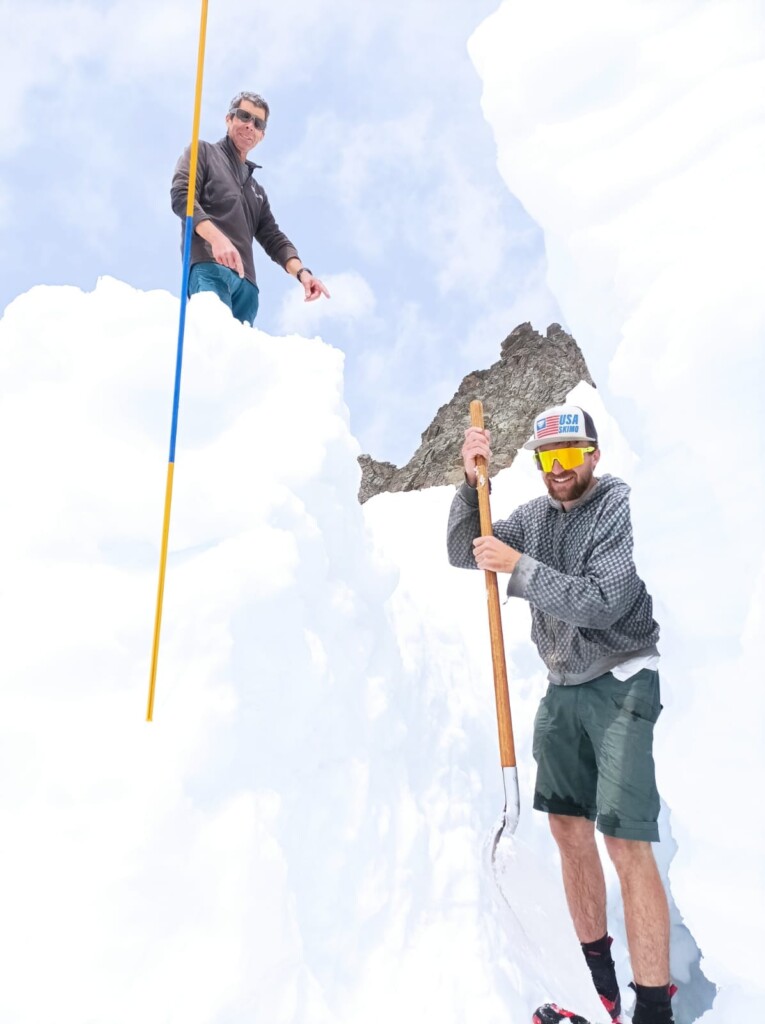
(464, 526)
(275, 243)
(293, 265)
(468, 549)
(179, 202)
(312, 286)
(584, 601)
(279, 248)
(207, 230)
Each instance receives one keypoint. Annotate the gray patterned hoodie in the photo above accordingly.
(589, 608)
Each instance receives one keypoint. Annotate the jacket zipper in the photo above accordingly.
(556, 532)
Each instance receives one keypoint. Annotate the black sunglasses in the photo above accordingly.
(246, 117)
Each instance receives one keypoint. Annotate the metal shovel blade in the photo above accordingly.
(508, 819)
(499, 852)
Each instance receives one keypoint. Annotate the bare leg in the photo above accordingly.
(646, 913)
(583, 878)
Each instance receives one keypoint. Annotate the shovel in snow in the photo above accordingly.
(508, 820)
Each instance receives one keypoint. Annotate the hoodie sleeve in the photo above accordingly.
(605, 591)
(465, 525)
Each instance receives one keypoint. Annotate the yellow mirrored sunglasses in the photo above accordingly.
(568, 458)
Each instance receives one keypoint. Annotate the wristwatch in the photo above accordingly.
(303, 270)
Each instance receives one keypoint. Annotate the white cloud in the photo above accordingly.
(351, 299)
(50, 52)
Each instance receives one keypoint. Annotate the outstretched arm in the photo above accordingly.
(281, 250)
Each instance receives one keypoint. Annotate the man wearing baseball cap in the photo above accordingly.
(569, 554)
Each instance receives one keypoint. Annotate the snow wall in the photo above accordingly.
(634, 135)
(298, 836)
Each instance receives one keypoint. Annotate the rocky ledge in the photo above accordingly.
(533, 371)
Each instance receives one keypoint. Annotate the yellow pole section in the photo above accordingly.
(176, 396)
(160, 589)
(197, 109)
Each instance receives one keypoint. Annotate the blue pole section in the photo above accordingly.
(181, 330)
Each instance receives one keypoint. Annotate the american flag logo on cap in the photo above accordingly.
(562, 422)
(547, 425)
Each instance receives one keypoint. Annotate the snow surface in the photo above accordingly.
(298, 835)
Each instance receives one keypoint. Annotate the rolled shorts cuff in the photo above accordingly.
(553, 806)
(643, 831)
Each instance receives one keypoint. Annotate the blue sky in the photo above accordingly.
(378, 163)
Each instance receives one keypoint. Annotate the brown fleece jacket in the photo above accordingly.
(239, 208)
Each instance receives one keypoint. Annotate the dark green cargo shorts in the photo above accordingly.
(593, 745)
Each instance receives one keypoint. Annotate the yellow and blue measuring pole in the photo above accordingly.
(179, 357)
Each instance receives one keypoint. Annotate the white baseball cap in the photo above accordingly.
(562, 423)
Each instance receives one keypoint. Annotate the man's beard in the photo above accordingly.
(572, 490)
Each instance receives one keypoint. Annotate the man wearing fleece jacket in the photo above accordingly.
(231, 209)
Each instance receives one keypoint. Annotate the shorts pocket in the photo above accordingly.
(639, 696)
(541, 726)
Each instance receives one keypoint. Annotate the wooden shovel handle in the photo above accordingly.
(501, 694)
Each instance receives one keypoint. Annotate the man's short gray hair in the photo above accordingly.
(253, 97)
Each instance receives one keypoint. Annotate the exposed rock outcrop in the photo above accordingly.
(534, 371)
